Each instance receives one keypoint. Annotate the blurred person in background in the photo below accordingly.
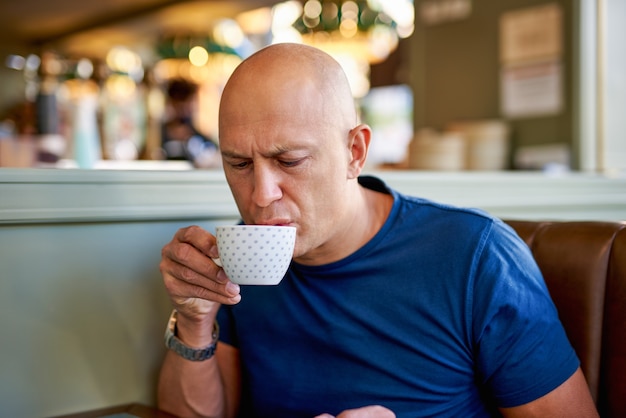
(180, 138)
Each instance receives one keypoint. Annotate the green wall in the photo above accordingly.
(83, 310)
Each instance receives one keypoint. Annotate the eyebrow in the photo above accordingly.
(277, 151)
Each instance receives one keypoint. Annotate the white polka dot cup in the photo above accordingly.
(255, 254)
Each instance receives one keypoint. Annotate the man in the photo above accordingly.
(393, 305)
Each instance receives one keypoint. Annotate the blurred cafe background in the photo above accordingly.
(90, 82)
(447, 85)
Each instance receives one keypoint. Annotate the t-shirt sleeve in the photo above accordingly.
(521, 349)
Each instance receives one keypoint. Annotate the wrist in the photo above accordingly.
(194, 331)
(191, 352)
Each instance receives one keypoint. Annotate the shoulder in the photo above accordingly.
(449, 227)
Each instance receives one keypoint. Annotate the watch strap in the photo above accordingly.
(186, 352)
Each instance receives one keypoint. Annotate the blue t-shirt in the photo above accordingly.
(442, 313)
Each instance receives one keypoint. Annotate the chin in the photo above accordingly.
(299, 250)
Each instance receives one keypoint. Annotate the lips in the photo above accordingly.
(275, 222)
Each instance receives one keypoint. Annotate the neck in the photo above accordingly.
(376, 207)
(362, 221)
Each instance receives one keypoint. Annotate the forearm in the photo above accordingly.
(196, 379)
(191, 389)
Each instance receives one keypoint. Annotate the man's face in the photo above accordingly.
(286, 165)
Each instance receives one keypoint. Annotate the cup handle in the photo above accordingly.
(217, 261)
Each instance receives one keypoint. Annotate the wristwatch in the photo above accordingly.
(184, 351)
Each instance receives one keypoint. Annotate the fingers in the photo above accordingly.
(182, 283)
(191, 246)
(189, 273)
(189, 263)
(374, 411)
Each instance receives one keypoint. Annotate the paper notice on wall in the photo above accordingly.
(531, 34)
(532, 90)
(530, 54)
(434, 12)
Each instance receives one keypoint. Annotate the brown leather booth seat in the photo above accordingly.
(584, 265)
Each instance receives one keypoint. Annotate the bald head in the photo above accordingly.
(289, 79)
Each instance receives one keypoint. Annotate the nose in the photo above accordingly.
(267, 187)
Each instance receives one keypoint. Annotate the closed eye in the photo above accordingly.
(239, 165)
(291, 163)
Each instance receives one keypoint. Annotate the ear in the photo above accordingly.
(358, 144)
